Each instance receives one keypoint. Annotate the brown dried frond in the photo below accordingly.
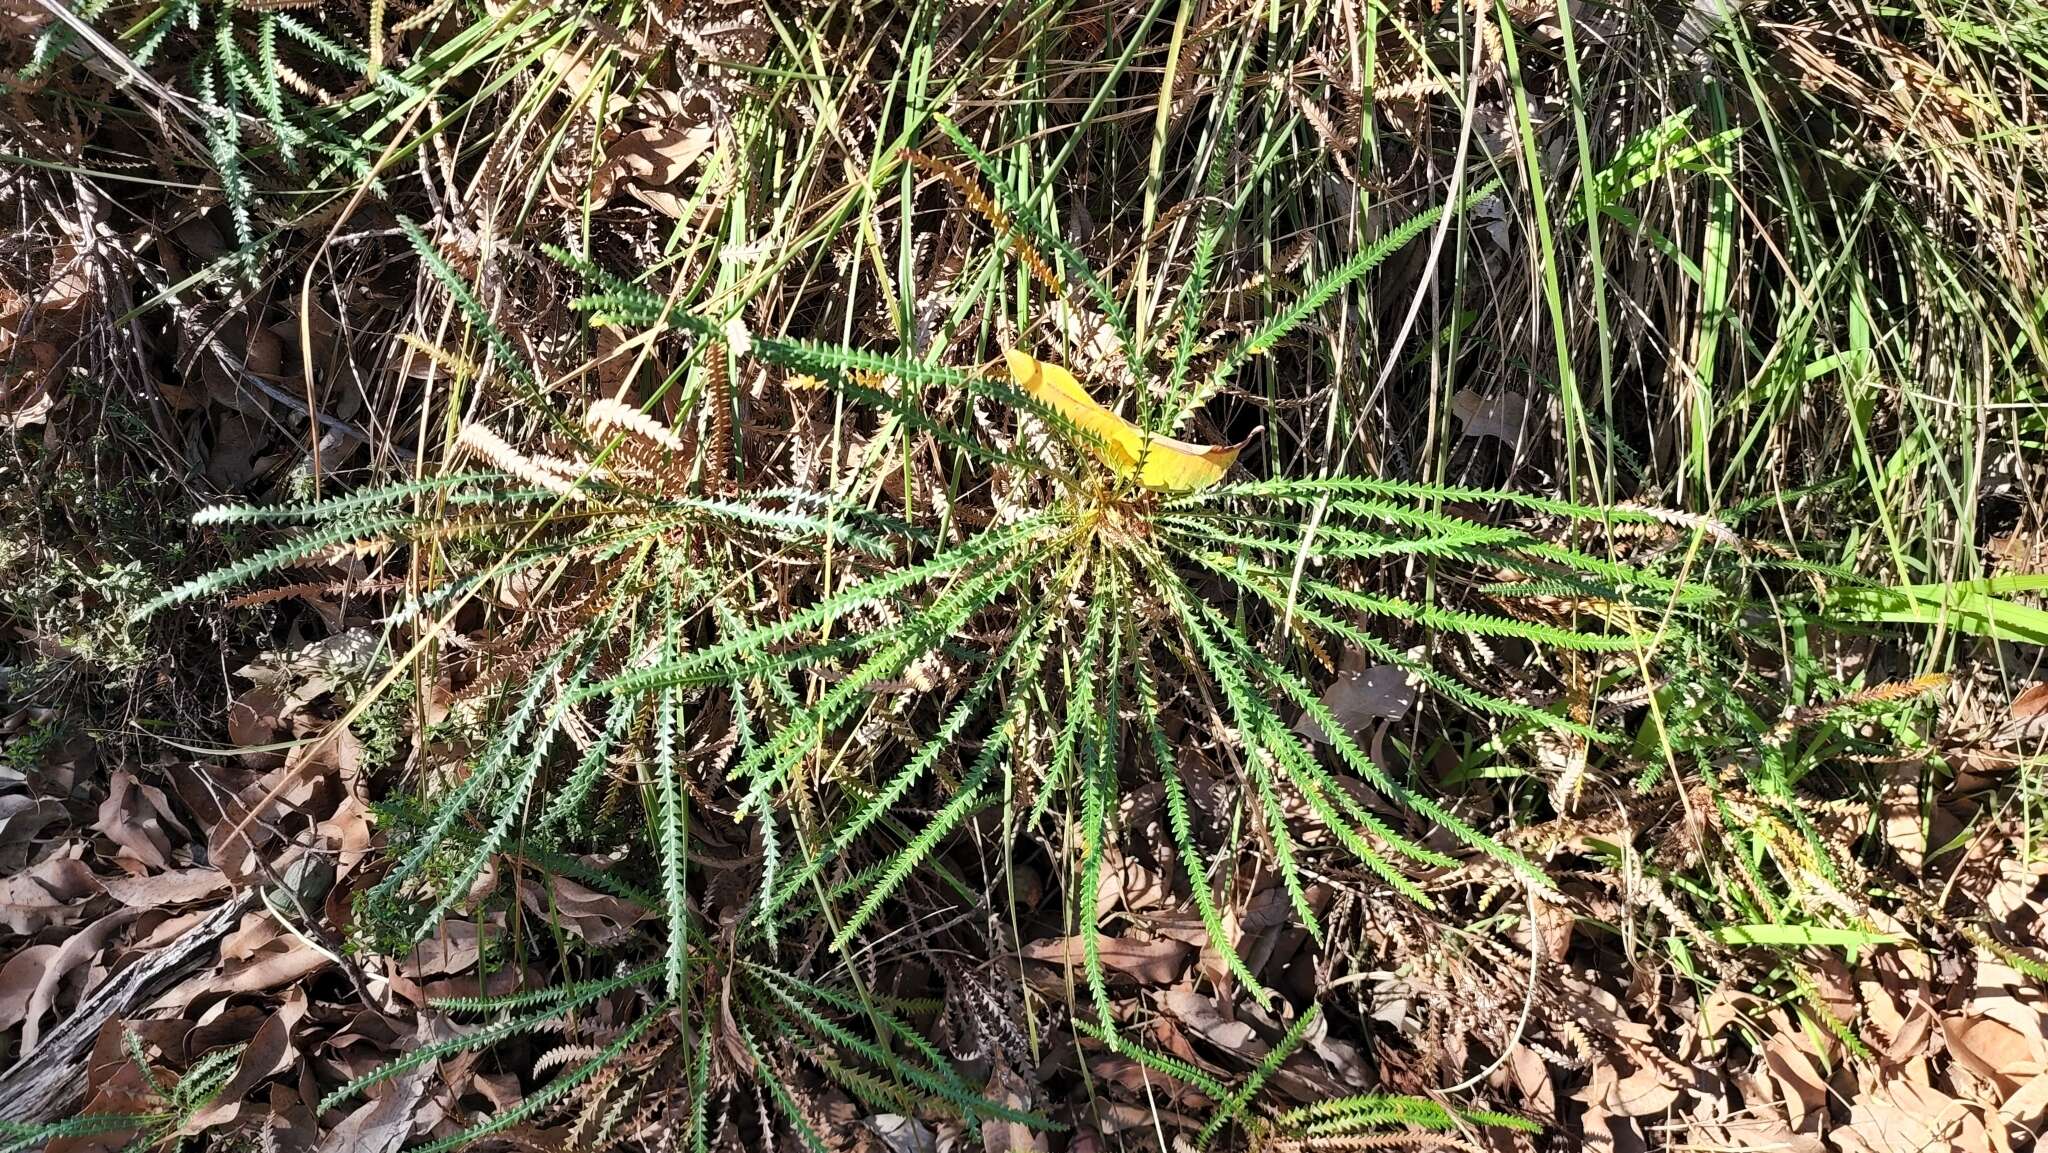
(303, 86)
(1417, 87)
(1919, 686)
(718, 393)
(346, 551)
(316, 589)
(999, 220)
(451, 527)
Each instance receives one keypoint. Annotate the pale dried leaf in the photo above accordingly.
(1356, 699)
(269, 1053)
(76, 950)
(903, 1134)
(1499, 416)
(1993, 1050)
(18, 980)
(1204, 1018)
(1009, 1090)
(650, 159)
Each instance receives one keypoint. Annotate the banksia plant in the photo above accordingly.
(932, 671)
(1136, 573)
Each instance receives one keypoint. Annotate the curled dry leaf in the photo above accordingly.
(268, 1053)
(2026, 1108)
(258, 956)
(649, 160)
(1009, 1090)
(18, 980)
(1204, 1018)
(385, 1123)
(2031, 702)
(903, 1134)
(21, 819)
(1802, 1085)
(132, 818)
(76, 950)
(1995, 1051)
(1755, 1135)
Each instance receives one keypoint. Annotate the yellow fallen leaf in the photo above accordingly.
(1159, 462)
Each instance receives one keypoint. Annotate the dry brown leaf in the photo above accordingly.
(648, 160)
(386, 1122)
(1993, 1050)
(1342, 1058)
(1904, 830)
(1159, 962)
(18, 979)
(269, 1053)
(598, 918)
(902, 1134)
(1758, 1134)
(1204, 1018)
(76, 950)
(131, 817)
(2004, 994)
(2031, 702)
(21, 819)
(454, 948)
(1610, 1132)
(176, 887)
(238, 443)
(1009, 1090)
(1129, 885)
(155, 929)
(257, 716)
(290, 1124)
(1905, 1117)
(23, 18)
(45, 894)
(2028, 1106)
(1625, 1089)
(256, 957)
(1802, 1084)
(1905, 1034)
(1138, 1080)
